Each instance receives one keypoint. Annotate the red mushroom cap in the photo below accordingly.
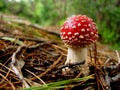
(79, 30)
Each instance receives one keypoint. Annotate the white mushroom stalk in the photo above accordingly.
(77, 33)
(76, 55)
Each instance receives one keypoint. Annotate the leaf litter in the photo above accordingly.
(31, 55)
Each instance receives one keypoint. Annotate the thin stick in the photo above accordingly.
(16, 71)
(49, 69)
(115, 78)
(60, 48)
(36, 77)
(95, 52)
(7, 73)
(13, 88)
(118, 56)
(6, 67)
(90, 54)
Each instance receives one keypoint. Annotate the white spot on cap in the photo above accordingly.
(96, 35)
(88, 29)
(92, 40)
(87, 35)
(66, 37)
(76, 39)
(76, 19)
(94, 28)
(89, 19)
(81, 36)
(73, 26)
(76, 33)
(85, 25)
(89, 25)
(69, 33)
(73, 36)
(92, 33)
(63, 33)
(83, 21)
(66, 27)
(94, 23)
(83, 30)
(79, 24)
(70, 38)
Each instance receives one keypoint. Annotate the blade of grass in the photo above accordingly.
(12, 40)
(59, 84)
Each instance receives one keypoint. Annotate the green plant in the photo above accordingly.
(60, 84)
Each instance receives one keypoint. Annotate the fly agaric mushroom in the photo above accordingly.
(77, 33)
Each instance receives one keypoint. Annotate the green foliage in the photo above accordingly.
(107, 35)
(105, 13)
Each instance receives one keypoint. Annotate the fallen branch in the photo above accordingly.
(14, 65)
(17, 70)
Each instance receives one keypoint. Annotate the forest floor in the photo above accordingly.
(31, 55)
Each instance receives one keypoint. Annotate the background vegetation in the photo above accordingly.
(106, 13)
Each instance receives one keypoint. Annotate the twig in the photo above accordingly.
(6, 67)
(36, 77)
(14, 59)
(8, 81)
(13, 66)
(113, 67)
(118, 56)
(49, 69)
(7, 73)
(56, 46)
(95, 52)
(100, 79)
(36, 46)
(90, 54)
(115, 78)
(107, 79)
(107, 61)
(80, 73)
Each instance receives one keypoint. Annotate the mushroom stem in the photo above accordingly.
(76, 55)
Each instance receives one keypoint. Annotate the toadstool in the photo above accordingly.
(77, 32)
